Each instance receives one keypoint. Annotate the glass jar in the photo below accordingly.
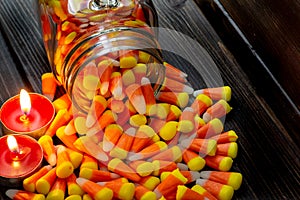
(89, 41)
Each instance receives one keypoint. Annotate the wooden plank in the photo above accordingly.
(19, 24)
(269, 165)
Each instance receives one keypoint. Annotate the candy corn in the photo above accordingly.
(68, 140)
(57, 190)
(227, 149)
(136, 97)
(193, 160)
(234, 179)
(63, 102)
(142, 193)
(44, 184)
(149, 182)
(97, 175)
(118, 166)
(184, 193)
(72, 187)
(218, 110)
(89, 162)
(216, 93)
(229, 136)
(222, 163)
(112, 134)
(168, 187)
(121, 190)
(220, 191)
(212, 128)
(49, 85)
(96, 191)
(30, 182)
(62, 118)
(64, 166)
(49, 151)
(21, 195)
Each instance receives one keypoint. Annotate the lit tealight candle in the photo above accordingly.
(20, 157)
(27, 113)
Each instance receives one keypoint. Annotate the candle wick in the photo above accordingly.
(24, 118)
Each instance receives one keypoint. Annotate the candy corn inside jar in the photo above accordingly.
(102, 50)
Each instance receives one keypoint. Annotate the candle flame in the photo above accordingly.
(25, 102)
(12, 144)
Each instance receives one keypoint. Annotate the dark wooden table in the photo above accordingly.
(266, 121)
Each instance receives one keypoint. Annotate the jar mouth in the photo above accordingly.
(106, 42)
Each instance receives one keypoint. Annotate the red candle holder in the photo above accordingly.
(33, 123)
(20, 162)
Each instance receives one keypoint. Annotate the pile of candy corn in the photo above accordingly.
(140, 146)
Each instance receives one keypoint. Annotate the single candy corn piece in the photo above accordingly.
(218, 110)
(234, 179)
(64, 166)
(149, 94)
(97, 175)
(220, 191)
(22, 195)
(139, 71)
(112, 134)
(168, 187)
(63, 102)
(203, 146)
(149, 182)
(44, 184)
(75, 157)
(128, 77)
(203, 192)
(61, 118)
(226, 137)
(136, 97)
(201, 103)
(217, 162)
(49, 85)
(184, 193)
(70, 128)
(149, 151)
(74, 197)
(193, 160)
(142, 193)
(176, 86)
(105, 69)
(98, 106)
(118, 166)
(143, 136)
(87, 145)
(174, 113)
(186, 122)
(72, 187)
(89, 162)
(116, 85)
(124, 144)
(169, 130)
(228, 149)
(161, 166)
(128, 58)
(90, 77)
(29, 182)
(97, 192)
(162, 110)
(49, 151)
(216, 93)
(173, 154)
(87, 197)
(179, 99)
(68, 140)
(123, 191)
(173, 72)
(137, 120)
(212, 128)
(57, 191)
(143, 168)
(80, 125)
